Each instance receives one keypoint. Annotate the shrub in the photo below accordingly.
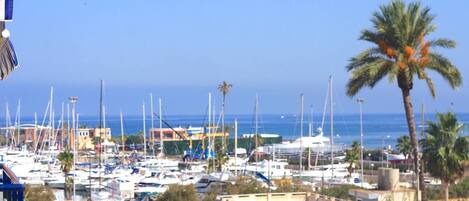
(339, 191)
(179, 193)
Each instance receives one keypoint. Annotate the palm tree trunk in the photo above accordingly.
(446, 186)
(413, 137)
(223, 124)
(67, 195)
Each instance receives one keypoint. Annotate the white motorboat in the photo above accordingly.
(336, 171)
(277, 169)
(151, 186)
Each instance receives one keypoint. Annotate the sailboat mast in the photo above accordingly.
(100, 131)
(236, 146)
(68, 125)
(210, 140)
(6, 123)
(152, 137)
(19, 122)
(301, 133)
(34, 138)
(161, 126)
(144, 132)
(310, 134)
(256, 134)
(122, 133)
(332, 126)
(62, 111)
(51, 116)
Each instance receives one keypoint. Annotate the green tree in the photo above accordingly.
(224, 88)
(340, 191)
(352, 157)
(404, 146)
(401, 52)
(179, 193)
(66, 164)
(245, 185)
(444, 150)
(39, 193)
(134, 139)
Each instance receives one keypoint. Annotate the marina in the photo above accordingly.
(233, 101)
(112, 169)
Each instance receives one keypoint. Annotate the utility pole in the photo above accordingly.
(360, 103)
(73, 100)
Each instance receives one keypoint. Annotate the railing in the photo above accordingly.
(10, 187)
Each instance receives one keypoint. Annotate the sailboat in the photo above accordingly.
(315, 141)
(320, 144)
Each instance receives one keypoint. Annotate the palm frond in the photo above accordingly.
(443, 149)
(431, 86)
(368, 75)
(367, 56)
(445, 68)
(442, 42)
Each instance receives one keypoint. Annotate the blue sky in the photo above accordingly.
(181, 50)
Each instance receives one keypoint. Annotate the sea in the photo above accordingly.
(379, 130)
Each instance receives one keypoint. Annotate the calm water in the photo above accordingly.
(346, 126)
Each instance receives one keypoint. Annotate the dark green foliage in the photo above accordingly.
(66, 161)
(400, 50)
(374, 154)
(405, 148)
(459, 190)
(245, 185)
(211, 195)
(66, 164)
(339, 191)
(403, 145)
(285, 188)
(179, 193)
(352, 156)
(39, 193)
(444, 150)
(133, 139)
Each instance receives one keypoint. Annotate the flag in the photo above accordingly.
(6, 10)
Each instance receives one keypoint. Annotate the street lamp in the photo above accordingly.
(372, 169)
(388, 149)
(73, 100)
(360, 103)
(382, 151)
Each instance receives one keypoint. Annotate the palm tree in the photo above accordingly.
(352, 157)
(444, 150)
(401, 52)
(66, 164)
(224, 88)
(404, 146)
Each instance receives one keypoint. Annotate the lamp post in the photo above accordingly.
(388, 149)
(73, 100)
(360, 103)
(382, 151)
